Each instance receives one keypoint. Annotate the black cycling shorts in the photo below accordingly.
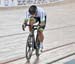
(39, 20)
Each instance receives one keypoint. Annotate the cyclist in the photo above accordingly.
(33, 15)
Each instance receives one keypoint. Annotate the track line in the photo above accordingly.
(34, 54)
(61, 58)
(10, 35)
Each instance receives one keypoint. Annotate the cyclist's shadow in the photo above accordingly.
(27, 62)
(36, 61)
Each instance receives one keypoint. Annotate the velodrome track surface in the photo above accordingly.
(59, 43)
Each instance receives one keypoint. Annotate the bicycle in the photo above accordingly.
(33, 43)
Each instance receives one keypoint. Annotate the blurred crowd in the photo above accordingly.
(23, 2)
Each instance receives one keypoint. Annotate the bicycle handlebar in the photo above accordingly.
(35, 27)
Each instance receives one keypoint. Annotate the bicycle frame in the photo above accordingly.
(33, 44)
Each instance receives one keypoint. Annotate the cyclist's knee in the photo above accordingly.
(41, 36)
(30, 27)
(32, 20)
(40, 33)
(31, 23)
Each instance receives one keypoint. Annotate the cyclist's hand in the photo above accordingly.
(23, 27)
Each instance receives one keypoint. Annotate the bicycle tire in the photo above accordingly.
(37, 46)
(29, 48)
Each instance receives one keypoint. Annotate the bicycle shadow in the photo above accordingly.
(36, 61)
(27, 62)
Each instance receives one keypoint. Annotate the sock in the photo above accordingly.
(41, 45)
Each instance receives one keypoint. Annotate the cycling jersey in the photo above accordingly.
(40, 13)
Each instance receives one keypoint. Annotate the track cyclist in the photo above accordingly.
(33, 15)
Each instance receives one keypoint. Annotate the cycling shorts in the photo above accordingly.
(37, 19)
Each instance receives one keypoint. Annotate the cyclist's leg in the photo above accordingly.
(41, 36)
(40, 33)
(31, 22)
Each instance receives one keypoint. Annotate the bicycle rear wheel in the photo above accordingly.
(29, 47)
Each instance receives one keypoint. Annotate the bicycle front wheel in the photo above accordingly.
(29, 47)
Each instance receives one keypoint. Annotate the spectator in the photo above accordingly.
(6, 2)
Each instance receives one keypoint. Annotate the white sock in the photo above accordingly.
(41, 45)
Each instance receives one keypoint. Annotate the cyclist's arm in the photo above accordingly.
(25, 21)
(42, 19)
(26, 17)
